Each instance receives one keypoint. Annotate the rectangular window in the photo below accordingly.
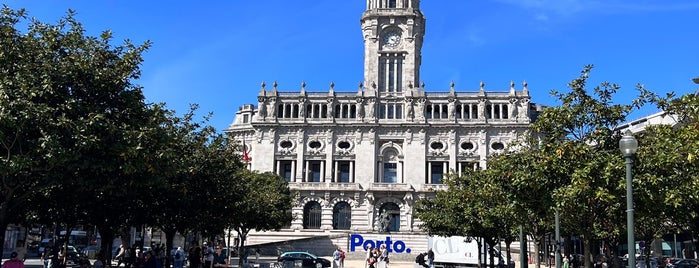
(343, 172)
(390, 111)
(437, 172)
(465, 167)
(285, 169)
(399, 111)
(391, 75)
(245, 118)
(390, 172)
(314, 172)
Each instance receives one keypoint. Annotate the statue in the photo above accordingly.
(384, 220)
(262, 111)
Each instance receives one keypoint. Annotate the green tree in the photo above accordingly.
(666, 170)
(88, 121)
(265, 205)
(582, 159)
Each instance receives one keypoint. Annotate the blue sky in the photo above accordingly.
(216, 53)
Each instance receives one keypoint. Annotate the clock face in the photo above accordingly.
(391, 39)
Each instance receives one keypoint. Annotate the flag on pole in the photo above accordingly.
(246, 158)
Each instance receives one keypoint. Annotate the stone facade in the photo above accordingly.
(359, 159)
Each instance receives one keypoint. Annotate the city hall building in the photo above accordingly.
(358, 159)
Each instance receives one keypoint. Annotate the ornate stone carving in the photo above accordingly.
(262, 108)
(421, 136)
(409, 111)
(420, 110)
(409, 136)
(259, 135)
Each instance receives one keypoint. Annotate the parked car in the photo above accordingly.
(72, 254)
(684, 263)
(307, 259)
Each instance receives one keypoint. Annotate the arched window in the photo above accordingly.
(389, 217)
(342, 216)
(390, 166)
(311, 215)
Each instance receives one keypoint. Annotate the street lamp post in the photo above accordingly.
(628, 146)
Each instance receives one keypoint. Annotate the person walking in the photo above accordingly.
(420, 260)
(368, 255)
(336, 257)
(430, 258)
(13, 262)
(207, 255)
(194, 255)
(383, 257)
(178, 257)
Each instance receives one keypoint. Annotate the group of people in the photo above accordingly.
(377, 256)
(425, 259)
(135, 257)
(339, 258)
(206, 256)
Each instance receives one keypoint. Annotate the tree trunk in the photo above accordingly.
(587, 252)
(105, 253)
(169, 236)
(242, 236)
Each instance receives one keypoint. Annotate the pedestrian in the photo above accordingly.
(342, 258)
(13, 262)
(207, 255)
(336, 257)
(368, 255)
(383, 257)
(47, 255)
(430, 258)
(178, 258)
(566, 262)
(194, 255)
(371, 260)
(119, 258)
(420, 260)
(219, 258)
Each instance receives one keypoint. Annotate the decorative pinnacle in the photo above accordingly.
(482, 86)
(275, 85)
(303, 85)
(262, 85)
(422, 85)
(451, 85)
(512, 84)
(361, 85)
(332, 84)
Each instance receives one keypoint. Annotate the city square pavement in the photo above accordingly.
(34, 262)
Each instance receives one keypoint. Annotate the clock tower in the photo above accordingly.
(393, 31)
